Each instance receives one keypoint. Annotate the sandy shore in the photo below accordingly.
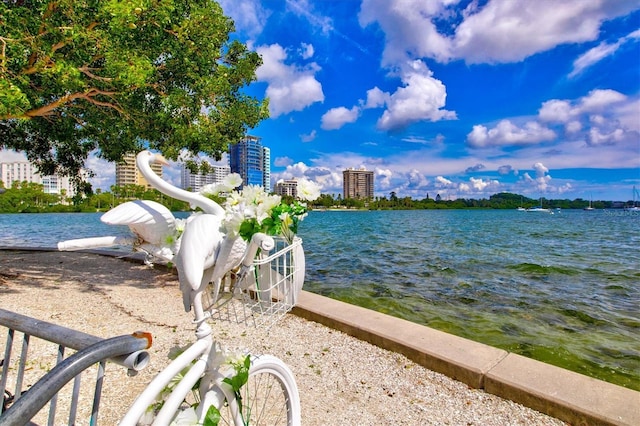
(342, 380)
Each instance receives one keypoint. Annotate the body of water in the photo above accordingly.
(561, 288)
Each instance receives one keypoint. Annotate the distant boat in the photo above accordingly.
(634, 207)
(590, 207)
(539, 209)
(521, 209)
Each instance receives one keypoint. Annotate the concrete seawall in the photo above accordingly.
(568, 396)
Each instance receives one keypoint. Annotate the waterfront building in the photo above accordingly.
(251, 161)
(127, 172)
(287, 188)
(24, 171)
(195, 181)
(357, 183)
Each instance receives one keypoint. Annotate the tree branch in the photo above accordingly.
(49, 109)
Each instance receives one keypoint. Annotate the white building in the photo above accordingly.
(21, 171)
(195, 181)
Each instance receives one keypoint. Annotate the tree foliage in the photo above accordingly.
(111, 75)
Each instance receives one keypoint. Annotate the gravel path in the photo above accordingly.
(342, 380)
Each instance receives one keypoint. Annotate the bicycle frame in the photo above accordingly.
(208, 356)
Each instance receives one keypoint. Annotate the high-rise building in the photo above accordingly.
(195, 181)
(357, 184)
(266, 168)
(24, 171)
(127, 172)
(287, 187)
(251, 161)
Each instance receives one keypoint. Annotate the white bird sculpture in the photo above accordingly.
(203, 253)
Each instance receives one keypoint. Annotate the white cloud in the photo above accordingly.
(376, 98)
(308, 137)
(335, 118)
(505, 133)
(602, 117)
(598, 53)
(249, 15)
(306, 10)
(11, 156)
(540, 170)
(408, 27)
(421, 98)
(306, 51)
(442, 182)
(290, 87)
(282, 161)
(499, 31)
(105, 172)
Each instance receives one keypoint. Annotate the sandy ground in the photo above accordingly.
(342, 380)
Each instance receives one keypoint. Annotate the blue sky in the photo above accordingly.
(461, 98)
(458, 98)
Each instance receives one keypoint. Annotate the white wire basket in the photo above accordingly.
(266, 293)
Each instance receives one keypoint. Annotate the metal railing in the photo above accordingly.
(19, 407)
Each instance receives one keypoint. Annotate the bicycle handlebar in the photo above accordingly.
(258, 241)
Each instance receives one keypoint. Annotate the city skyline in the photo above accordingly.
(461, 98)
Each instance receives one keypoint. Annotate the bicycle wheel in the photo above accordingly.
(269, 398)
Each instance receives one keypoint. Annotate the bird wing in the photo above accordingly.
(149, 220)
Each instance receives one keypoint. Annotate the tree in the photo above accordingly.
(76, 76)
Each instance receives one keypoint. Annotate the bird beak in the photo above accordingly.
(160, 160)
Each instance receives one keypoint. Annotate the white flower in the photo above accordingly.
(232, 181)
(212, 188)
(186, 417)
(308, 190)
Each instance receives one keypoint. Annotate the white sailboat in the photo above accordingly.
(634, 207)
(539, 209)
(590, 208)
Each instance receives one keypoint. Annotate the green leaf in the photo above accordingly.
(212, 417)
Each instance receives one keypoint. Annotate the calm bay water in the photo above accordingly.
(561, 288)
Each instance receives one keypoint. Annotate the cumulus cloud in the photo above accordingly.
(602, 117)
(376, 98)
(329, 179)
(498, 31)
(408, 26)
(421, 98)
(505, 133)
(290, 87)
(541, 182)
(335, 118)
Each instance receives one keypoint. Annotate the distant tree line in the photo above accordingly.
(503, 200)
(25, 197)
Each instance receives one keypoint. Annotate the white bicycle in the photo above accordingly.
(204, 385)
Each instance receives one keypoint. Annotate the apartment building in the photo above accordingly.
(127, 172)
(357, 183)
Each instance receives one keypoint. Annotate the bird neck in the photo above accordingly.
(194, 199)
